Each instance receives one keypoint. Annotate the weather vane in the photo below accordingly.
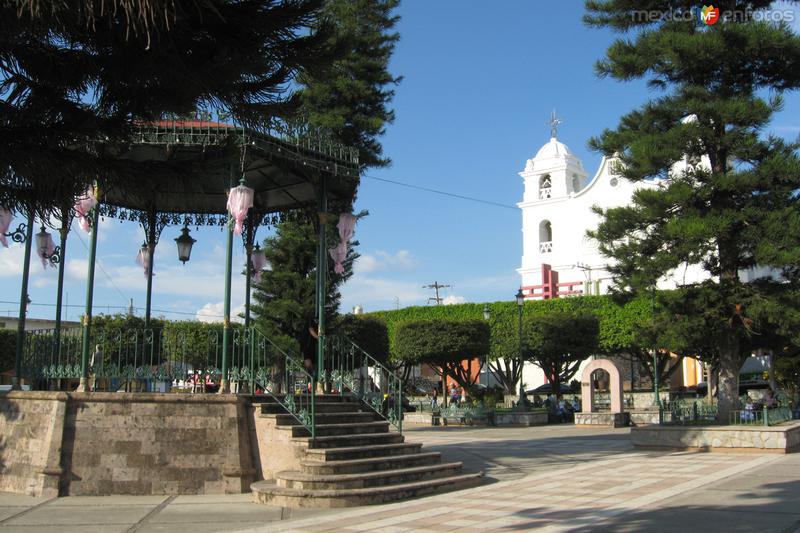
(554, 122)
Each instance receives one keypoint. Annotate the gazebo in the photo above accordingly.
(199, 173)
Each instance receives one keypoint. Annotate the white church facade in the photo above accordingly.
(558, 258)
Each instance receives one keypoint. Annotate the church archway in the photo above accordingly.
(545, 187)
(545, 236)
(614, 385)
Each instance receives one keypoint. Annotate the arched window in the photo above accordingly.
(545, 187)
(576, 183)
(545, 237)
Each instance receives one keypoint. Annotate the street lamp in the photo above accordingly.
(523, 401)
(185, 243)
(487, 314)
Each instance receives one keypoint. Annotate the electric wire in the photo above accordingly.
(103, 270)
(443, 193)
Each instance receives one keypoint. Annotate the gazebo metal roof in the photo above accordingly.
(193, 164)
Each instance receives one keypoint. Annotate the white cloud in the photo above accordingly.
(214, 313)
(452, 299)
(381, 261)
(374, 293)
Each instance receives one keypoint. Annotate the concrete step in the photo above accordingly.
(268, 493)
(328, 430)
(320, 407)
(285, 419)
(369, 464)
(342, 441)
(346, 453)
(381, 478)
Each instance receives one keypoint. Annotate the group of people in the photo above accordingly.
(560, 408)
(454, 394)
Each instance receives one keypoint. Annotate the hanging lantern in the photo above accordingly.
(5, 222)
(45, 247)
(143, 258)
(259, 262)
(240, 199)
(83, 205)
(185, 243)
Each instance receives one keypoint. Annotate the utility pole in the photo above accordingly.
(436, 286)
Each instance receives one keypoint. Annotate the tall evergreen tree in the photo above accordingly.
(351, 98)
(77, 71)
(735, 205)
(285, 299)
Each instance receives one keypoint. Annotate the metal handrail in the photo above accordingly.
(284, 378)
(349, 365)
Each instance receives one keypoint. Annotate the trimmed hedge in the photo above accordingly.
(8, 349)
(618, 323)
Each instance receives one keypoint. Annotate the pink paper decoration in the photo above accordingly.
(240, 200)
(82, 207)
(46, 252)
(259, 262)
(338, 254)
(346, 226)
(143, 259)
(5, 222)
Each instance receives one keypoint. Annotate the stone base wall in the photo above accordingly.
(776, 439)
(613, 420)
(644, 417)
(117, 443)
(273, 449)
(538, 418)
(31, 429)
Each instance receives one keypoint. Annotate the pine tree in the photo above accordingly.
(351, 98)
(734, 206)
(285, 299)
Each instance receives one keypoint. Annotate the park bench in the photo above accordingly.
(462, 415)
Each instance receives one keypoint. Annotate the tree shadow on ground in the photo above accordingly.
(502, 459)
(773, 507)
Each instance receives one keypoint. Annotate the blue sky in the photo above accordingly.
(479, 85)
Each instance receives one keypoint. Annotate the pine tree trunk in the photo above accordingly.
(728, 384)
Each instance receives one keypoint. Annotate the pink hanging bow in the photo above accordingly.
(46, 252)
(143, 259)
(83, 205)
(240, 199)
(346, 227)
(5, 222)
(259, 262)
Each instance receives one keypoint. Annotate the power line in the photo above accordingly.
(443, 193)
(436, 286)
(103, 270)
(125, 307)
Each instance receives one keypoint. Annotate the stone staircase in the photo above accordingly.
(355, 460)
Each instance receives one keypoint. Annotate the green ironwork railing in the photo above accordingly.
(760, 417)
(284, 378)
(136, 359)
(683, 414)
(353, 371)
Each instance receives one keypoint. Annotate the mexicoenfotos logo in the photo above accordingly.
(709, 15)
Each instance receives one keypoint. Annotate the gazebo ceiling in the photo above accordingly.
(194, 164)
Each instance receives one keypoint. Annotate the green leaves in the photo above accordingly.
(438, 342)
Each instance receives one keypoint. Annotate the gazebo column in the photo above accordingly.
(250, 234)
(224, 386)
(87, 315)
(23, 303)
(322, 268)
(151, 250)
(63, 232)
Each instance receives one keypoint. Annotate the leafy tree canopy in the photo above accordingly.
(731, 204)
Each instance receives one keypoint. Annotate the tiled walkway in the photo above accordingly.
(552, 478)
(586, 496)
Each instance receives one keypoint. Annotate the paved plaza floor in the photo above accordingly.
(551, 478)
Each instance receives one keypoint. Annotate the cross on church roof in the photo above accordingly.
(554, 122)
